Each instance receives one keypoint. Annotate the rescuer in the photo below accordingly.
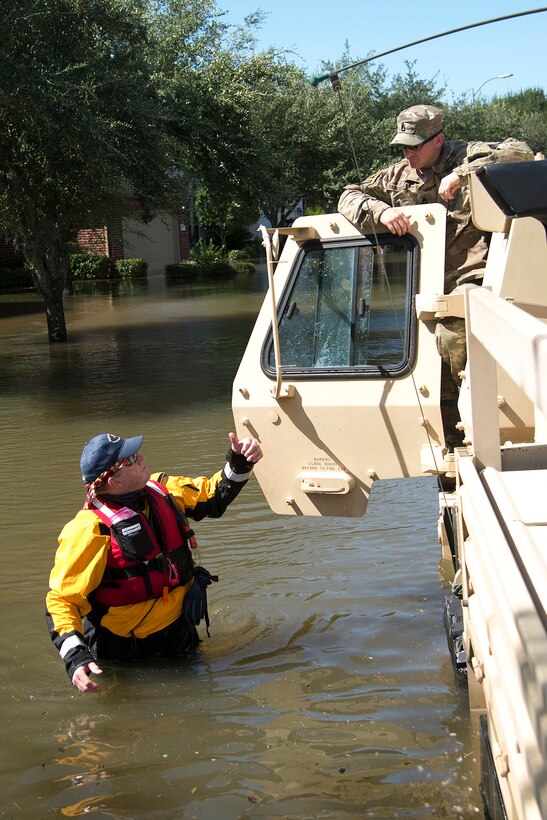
(125, 584)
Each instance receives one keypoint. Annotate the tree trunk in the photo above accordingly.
(67, 276)
(52, 294)
(55, 313)
(49, 266)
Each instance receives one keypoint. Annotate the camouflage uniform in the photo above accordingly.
(400, 185)
(466, 249)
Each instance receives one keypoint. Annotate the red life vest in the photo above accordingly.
(139, 565)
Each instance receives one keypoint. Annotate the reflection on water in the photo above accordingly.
(326, 683)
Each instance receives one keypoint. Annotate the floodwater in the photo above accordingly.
(326, 688)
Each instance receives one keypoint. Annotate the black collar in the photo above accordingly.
(135, 500)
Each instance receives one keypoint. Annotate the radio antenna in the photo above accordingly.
(325, 75)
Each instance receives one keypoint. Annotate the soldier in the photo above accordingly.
(434, 170)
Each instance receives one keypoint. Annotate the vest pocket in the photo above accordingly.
(132, 537)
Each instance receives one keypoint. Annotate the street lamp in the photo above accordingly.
(497, 77)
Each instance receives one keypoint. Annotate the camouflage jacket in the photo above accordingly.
(400, 185)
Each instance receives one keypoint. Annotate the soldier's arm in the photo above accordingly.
(485, 153)
(364, 204)
(369, 205)
(449, 185)
(479, 154)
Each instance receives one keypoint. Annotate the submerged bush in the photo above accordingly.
(187, 271)
(92, 266)
(247, 252)
(132, 268)
(181, 270)
(243, 265)
(219, 269)
(206, 253)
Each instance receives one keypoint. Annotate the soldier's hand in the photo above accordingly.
(449, 185)
(395, 221)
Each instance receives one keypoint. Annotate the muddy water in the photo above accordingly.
(326, 689)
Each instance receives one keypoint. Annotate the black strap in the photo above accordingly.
(143, 568)
(195, 607)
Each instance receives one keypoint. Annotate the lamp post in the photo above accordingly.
(497, 77)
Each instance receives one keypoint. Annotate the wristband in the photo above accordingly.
(238, 463)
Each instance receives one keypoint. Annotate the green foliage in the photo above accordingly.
(208, 261)
(299, 133)
(220, 211)
(523, 116)
(167, 103)
(181, 271)
(534, 131)
(240, 259)
(526, 116)
(206, 253)
(237, 254)
(131, 268)
(529, 101)
(92, 266)
(220, 269)
(101, 266)
(213, 261)
(240, 236)
(313, 210)
(244, 266)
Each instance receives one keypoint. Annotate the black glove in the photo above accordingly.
(238, 463)
(195, 601)
(77, 657)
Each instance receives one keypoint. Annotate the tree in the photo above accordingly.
(80, 128)
(319, 139)
(210, 91)
(522, 115)
(298, 131)
(372, 103)
(223, 214)
(103, 101)
(231, 145)
(526, 116)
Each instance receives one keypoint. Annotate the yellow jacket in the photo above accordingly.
(81, 559)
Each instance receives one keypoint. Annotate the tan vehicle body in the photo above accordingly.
(328, 434)
(325, 456)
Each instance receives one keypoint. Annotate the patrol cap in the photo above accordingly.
(102, 451)
(417, 124)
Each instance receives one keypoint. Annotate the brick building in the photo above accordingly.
(165, 239)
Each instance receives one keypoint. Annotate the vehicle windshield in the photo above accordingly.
(348, 307)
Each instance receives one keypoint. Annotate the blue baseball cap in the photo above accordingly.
(102, 451)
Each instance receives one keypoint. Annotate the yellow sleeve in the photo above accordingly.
(189, 492)
(79, 566)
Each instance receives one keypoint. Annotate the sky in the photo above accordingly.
(316, 30)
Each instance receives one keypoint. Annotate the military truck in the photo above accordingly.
(340, 382)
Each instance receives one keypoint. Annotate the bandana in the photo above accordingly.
(93, 488)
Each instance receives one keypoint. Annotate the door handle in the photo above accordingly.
(326, 483)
